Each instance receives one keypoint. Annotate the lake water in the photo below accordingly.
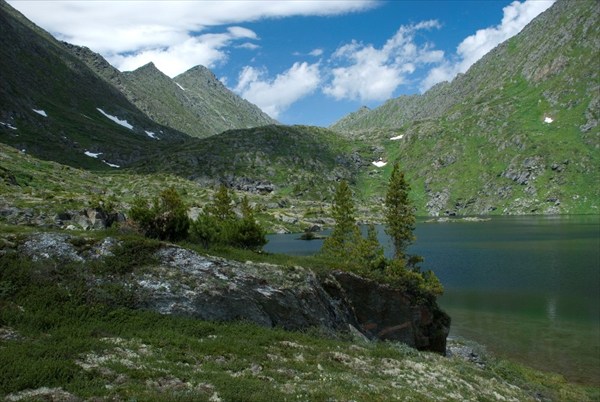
(528, 288)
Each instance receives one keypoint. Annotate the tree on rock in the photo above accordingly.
(400, 217)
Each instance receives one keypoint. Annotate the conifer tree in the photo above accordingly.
(221, 207)
(247, 232)
(345, 235)
(399, 216)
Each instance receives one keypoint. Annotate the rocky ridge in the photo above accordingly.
(194, 102)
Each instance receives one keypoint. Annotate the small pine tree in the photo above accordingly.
(221, 206)
(365, 256)
(165, 219)
(399, 216)
(247, 233)
(344, 238)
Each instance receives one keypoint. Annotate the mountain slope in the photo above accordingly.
(53, 106)
(300, 161)
(517, 133)
(194, 102)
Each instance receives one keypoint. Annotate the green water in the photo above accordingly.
(527, 288)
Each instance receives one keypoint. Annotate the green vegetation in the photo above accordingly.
(346, 249)
(218, 224)
(400, 216)
(165, 219)
(77, 336)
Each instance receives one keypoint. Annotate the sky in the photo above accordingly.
(301, 61)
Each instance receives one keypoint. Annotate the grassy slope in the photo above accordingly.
(490, 121)
(47, 188)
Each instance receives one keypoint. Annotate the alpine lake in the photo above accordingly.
(525, 287)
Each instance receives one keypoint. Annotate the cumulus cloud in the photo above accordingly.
(474, 47)
(371, 74)
(275, 95)
(316, 52)
(166, 30)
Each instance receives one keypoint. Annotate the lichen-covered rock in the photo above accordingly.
(211, 288)
(50, 246)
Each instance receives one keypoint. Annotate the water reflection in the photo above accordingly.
(551, 309)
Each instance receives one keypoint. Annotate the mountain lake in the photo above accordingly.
(525, 287)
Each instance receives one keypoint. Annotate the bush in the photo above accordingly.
(165, 219)
(248, 234)
(207, 230)
(218, 225)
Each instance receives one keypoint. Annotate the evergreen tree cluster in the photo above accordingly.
(347, 249)
(165, 218)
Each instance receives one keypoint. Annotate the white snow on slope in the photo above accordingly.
(8, 125)
(182, 88)
(92, 154)
(116, 119)
(111, 164)
(379, 163)
(399, 137)
(151, 135)
(40, 112)
(548, 120)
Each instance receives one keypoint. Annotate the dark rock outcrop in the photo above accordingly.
(385, 313)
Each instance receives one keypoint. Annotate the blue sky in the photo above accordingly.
(303, 62)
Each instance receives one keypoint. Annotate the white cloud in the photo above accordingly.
(516, 16)
(249, 46)
(372, 74)
(275, 95)
(204, 49)
(132, 33)
(316, 52)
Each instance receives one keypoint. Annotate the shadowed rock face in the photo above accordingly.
(385, 313)
(186, 283)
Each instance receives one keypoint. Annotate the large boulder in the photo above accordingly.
(210, 288)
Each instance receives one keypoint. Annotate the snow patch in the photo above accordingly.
(116, 119)
(151, 135)
(182, 88)
(40, 112)
(379, 163)
(112, 165)
(92, 154)
(548, 120)
(8, 125)
(399, 137)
